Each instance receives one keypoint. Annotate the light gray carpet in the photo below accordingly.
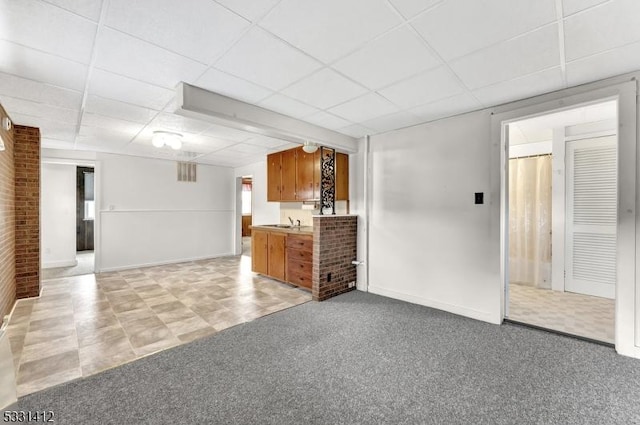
(360, 359)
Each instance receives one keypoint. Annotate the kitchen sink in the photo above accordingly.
(280, 226)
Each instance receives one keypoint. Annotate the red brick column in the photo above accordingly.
(27, 207)
(334, 248)
(7, 223)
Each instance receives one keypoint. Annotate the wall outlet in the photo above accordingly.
(352, 284)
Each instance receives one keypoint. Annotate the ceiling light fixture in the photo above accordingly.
(309, 147)
(166, 138)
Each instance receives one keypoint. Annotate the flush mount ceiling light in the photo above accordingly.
(166, 138)
(309, 147)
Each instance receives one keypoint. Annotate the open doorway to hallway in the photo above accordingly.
(68, 211)
(562, 176)
(247, 217)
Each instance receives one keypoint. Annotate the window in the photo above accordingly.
(89, 210)
(246, 198)
(89, 200)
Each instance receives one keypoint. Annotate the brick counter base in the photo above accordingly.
(334, 248)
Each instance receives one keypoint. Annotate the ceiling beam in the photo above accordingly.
(202, 104)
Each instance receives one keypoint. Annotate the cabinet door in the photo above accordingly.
(277, 243)
(288, 187)
(342, 177)
(304, 183)
(317, 176)
(274, 176)
(259, 252)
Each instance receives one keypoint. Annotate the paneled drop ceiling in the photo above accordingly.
(100, 75)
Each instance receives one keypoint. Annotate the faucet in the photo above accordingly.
(290, 220)
(299, 223)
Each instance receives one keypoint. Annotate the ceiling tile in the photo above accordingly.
(173, 122)
(198, 29)
(120, 110)
(211, 143)
(245, 148)
(424, 88)
(100, 137)
(393, 121)
(100, 121)
(88, 9)
(324, 89)
(517, 57)
(451, 106)
(234, 87)
(531, 85)
(46, 143)
(410, 8)
(287, 106)
(43, 67)
(326, 120)
(458, 27)
(329, 29)
(402, 53)
(364, 108)
(611, 25)
(39, 110)
(263, 59)
(355, 130)
(111, 86)
(250, 9)
(143, 61)
(49, 128)
(604, 65)
(50, 29)
(574, 6)
(39, 92)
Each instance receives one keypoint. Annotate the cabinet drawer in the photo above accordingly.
(304, 243)
(299, 255)
(299, 273)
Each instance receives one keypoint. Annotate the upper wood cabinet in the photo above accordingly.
(304, 177)
(294, 175)
(274, 176)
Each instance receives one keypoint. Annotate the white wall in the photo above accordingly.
(58, 215)
(429, 242)
(148, 217)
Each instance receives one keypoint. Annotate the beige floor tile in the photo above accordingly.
(113, 318)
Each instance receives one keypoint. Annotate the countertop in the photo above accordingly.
(301, 230)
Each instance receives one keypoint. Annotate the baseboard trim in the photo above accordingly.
(56, 264)
(427, 302)
(161, 263)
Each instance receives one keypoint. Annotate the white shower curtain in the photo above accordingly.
(530, 221)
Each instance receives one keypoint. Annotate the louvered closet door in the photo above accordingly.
(591, 221)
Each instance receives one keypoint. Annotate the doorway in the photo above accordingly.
(562, 221)
(247, 215)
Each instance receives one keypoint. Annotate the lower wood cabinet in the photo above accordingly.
(299, 260)
(282, 256)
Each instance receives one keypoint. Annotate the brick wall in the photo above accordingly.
(334, 248)
(7, 224)
(27, 207)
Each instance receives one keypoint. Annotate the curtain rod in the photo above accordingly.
(531, 156)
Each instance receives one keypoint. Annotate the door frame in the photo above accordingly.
(627, 326)
(97, 187)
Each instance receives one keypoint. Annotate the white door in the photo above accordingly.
(591, 216)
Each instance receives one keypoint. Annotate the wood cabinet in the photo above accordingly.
(260, 251)
(276, 258)
(274, 176)
(268, 253)
(304, 175)
(342, 177)
(294, 175)
(299, 260)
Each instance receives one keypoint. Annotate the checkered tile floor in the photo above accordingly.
(82, 325)
(576, 314)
